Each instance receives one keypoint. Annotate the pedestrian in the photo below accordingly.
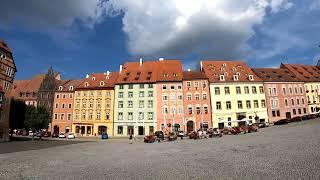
(130, 139)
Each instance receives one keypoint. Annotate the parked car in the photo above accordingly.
(30, 133)
(149, 139)
(281, 122)
(55, 135)
(71, 136)
(172, 136)
(159, 134)
(25, 133)
(214, 132)
(46, 134)
(262, 124)
(305, 117)
(193, 135)
(253, 128)
(62, 135)
(39, 134)
(180, 134)
(296, 119)
(18, 132)
(104, 135)
(312, 116)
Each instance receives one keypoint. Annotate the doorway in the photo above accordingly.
(140, 130)
(130, 130)
(102, 129)
(56, 129)
(221, 125)
(288, 115)
(190, 126)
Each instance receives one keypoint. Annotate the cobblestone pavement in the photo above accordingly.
(279, 152)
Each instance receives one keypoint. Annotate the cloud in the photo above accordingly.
(218, 29)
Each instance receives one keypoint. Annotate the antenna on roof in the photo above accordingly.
(201, 66)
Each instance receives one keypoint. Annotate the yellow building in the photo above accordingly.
(93, 105)
(237, 94)
(313, 96)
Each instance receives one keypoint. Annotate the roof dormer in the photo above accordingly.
(71, 88)
(86, 84)
(251, 77)
(60, 88)
(101, 83)
(235, 77)
(222, 78)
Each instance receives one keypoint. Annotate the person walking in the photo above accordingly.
(130, 139)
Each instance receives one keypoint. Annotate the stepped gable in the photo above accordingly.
(229, 71)
(191, 75)
(99, 81)
(276, 75)
(303, 72)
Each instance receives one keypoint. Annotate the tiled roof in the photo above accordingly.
(304, 72)
(99, 81)
(275, 75)
(27, 86)
(5, 46)
(229, 71)
(68, 85)
(190, 75)
(150, 72)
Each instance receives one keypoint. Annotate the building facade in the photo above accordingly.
(7, 72)
(93, 105)
(196, 100)
(63, 106)
(285, 94)
(310, 75)
(135, 99)
(237, 94)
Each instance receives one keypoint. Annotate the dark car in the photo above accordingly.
(46, 134)
(296, 119)
(55, 135)
(25, 133)
(104, 135)
(39, 134)
(281, 122)
(305, 117)
(159, 135)
(312, 116)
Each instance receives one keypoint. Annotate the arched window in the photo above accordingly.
(101, 83)
(60, 88)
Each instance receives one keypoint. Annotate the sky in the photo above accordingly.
(79, 37)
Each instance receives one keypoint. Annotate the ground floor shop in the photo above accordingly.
(92, 129)
(125, 129)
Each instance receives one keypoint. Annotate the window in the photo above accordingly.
(284, 91)
(57, 96)
(150, 103)
(263, 103)
(228, 105)
(246, 90)
(91, 93)
(141, 104)
(150, 85)
(150, 115)
(120, 104)
(299, 111)
(190, 110)
(239, 104)
(57, 105)
(130, 115)
(261, 89)
(130, 104)
(254, 90)
(196, 84)
(226, 90)
(217, 91)
(99, 93)
(120, 129)
(69, 116)
(179, 86)
(63, 105)
(9, 71)
(164, 97)
(141, 86)
(91, 104)
(204, 96)
(150, 94)
(221, 77)
(107, 103)
(298, 101)
(248, 104)
(292, 102)
(62, 116)
(205, 109)
(189, 97)
(63, 96)
(305, 110)
(188, 84)
(278, 113)
(77, 104)
(172, 97)
(164, 86)
(179, 96)
(165, 110)
(120, 95)
(286, 102)
(120, 116)
(273, 113)
(301, 90)
(141, 94)
(294, 111)
(141, 115)
(130, 94)
(107, 115)
(84, 93)
(180, 110)
(197, 96)
(121, 87)
(55, 116)
(218, 105)
(90, 115)
(204, 84)
(238, 90)
(70, 96)
(290, 90)
(198, 110)
(70, 106)
(83, 115)
(98, 115)
(172, 87)
(255, 103)
(130, 86)
(108, 94)
(302, 100)
(296, 90)
(77, 115)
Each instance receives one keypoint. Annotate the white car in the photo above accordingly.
(62, 135)
(30, 133)
(71, 136)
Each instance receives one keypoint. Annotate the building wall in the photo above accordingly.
(285, 100)
(62, 112)
(313, 98)
(86, 116)
(225, 115)
(149, 120)
(170, 106)
(191, 89)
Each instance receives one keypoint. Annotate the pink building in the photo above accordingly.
(196, 100)
(285, 94)
(169, 96)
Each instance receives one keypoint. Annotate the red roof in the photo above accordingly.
(66, 84)
(275, 75)
(304, 72)
(5, 46)
(190, 75)
(231, 71)
(99, 81)
(26, 86)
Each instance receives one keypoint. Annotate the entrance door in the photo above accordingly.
(288, 115)
(190, 126)
(56, 129)
(130, 130)
(83, 130)
(221, 125)
(140, 130)
(102, 129)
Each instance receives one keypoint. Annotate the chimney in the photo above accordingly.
(87, 76)
(140, 61)
(120, 68)
(108, 73)
(189, 70)
(161, 59)
(201, 66)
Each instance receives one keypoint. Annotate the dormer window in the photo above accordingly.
(60, 88)
(165, 75)
(86, 84)
(225, 73)
(107, 77)
(251, 78)
(224, 65)
(101, 83)
(175, 75)
(222, 78)
(235, 77)
(71, 88)
(238, 74)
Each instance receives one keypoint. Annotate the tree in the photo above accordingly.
(17, 115)
(37, 119)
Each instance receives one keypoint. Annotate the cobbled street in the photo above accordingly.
(279, 152)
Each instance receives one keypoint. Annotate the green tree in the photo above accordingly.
(37, 119)
(17, 115)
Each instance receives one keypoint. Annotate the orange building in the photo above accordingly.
(63, 106)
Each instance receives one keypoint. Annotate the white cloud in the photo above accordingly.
(217, 29)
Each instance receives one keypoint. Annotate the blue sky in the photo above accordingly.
(85, 36)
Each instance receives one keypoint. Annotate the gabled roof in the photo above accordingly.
(214, 69)
(275, 75)
(193, 75)
(304, 72)
(98, 81)
(169, 70)
(68, 85)
(5, 46)
(26, 86)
